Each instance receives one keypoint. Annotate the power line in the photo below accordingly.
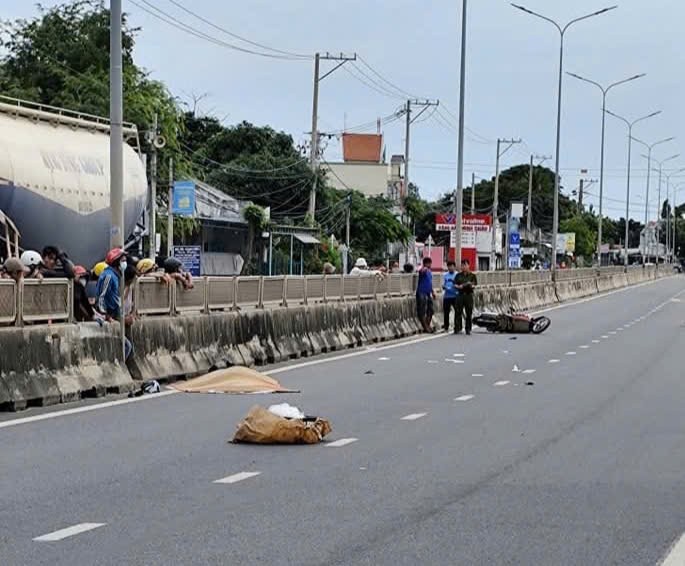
(178, 24)
(236, 36)
(402, 92)
(371, 83)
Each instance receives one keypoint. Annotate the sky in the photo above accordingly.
(511, 79)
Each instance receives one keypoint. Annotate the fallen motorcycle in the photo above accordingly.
(514, 323)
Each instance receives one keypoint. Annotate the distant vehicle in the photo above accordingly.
(54, 178)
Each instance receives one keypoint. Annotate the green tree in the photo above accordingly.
(586, 241)
(61, 58)
(255, 217)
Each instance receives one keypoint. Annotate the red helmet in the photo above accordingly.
(80, 270)
(114, 255)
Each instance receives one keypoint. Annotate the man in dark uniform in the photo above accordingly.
(465, 282)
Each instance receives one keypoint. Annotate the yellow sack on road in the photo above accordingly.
(263, 427)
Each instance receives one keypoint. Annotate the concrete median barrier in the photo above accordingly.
(45, 365)
(173, 347)
(570, 289)
(611, 282)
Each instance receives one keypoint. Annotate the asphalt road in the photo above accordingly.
(585, 466)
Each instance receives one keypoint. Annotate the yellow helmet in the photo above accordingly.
(99, 268)
(145, 266)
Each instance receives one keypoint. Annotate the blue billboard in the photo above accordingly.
(184, 198)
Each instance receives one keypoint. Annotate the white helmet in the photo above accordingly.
(361, 263)
(31, 259)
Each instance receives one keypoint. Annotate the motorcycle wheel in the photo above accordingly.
(540, 325)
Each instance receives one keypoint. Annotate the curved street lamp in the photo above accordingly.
(562, 32)
(630, 144)
(604, 90)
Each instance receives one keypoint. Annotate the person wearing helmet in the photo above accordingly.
(56, 264)
(148, 268)
(32, 261)
(13, 268)
(174, 268)
(360, 267)
(83, 310)
(108, 302)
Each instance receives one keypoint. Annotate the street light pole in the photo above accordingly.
(562, 32)
(630, 143)
(601, 163)
(672, 206)
(649, 169)
(658, 205)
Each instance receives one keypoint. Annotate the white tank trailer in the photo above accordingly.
(54, 178)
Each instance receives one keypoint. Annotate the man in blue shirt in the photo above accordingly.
(449, 298)
(425, 295)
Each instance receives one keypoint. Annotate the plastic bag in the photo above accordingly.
(286, 411)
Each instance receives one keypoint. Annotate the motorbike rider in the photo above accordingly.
(465, 282)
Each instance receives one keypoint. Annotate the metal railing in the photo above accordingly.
(51, 300)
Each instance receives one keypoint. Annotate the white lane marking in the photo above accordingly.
(528, 371)
(605, 337)
(595, 341)
(77, 410)
(501, 383)
(554, 361)
(476, 375)
(432, 361)
(515, 369)
(584, 347)
(505, 351)
(235, 478)
(458, 355)
(383, 359)
(69, 532)
(353, 354)
(676, 301)
(612, 332)
(570, 353)
(620, 329)
(413, 416)
(451, 361)
(465, 398)
(676, 554)
(341, 442)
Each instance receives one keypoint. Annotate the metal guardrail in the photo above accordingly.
(51, 300)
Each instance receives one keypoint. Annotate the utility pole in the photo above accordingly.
(116, 149)
(424, 104)
(473, 193)
(170, 213)
(459, 197)
(529, 214)
(580, 196)
(152, 228)
(495, 202)
(314, 156)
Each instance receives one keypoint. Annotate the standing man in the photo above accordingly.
(425, 295)
(449, 297)
(465, 282)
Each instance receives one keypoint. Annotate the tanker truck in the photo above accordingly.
(54, 178)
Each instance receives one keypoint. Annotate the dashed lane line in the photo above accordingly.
(465, 398)
(676, 554)
(554, 361)
(413, 416)
(68, 532)
(501, 383)
(235, 478)
(341, 442)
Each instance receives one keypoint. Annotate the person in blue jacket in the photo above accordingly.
(108, 299)
(451, 293)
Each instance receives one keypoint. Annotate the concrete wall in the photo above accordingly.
(44, 365)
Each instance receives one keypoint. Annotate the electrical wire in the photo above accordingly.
(236, 36)
(394, 86)
(178, 24)
(383, 92)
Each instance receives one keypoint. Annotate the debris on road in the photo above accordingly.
(368, 372)
(147, 388)
(263, 427)
(286, 411)
(530, 383)
(236, 380)
(515, 369)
